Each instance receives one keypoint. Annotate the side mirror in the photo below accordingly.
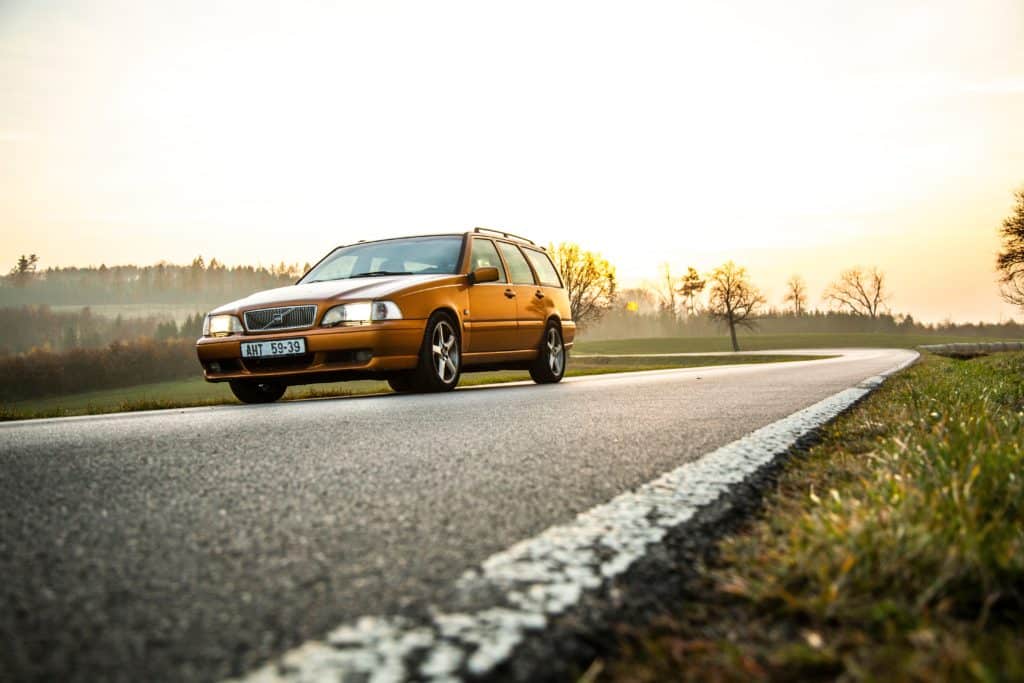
(488, 274)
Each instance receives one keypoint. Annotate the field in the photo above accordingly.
(892, 550)
(768, 342)
(197, 392)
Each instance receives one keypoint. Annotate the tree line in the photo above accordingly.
(199, 281)
(725, 295)
(620, 322)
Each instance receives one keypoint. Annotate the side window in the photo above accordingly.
(545, 269)
(484, 255)
(517, 265)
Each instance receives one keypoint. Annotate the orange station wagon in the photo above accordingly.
(415, 311)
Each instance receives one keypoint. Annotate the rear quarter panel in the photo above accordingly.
(564, 313)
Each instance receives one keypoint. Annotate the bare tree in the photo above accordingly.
(588, 278)
(796, 295)
(1010, 262)
(665, 287)
(861, 291)
(690, 286)
(733, 299)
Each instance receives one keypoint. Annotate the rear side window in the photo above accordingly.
(545, 269)
(484, 255)
(517, 265)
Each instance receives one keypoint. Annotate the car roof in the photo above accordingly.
(490, 232)
(483, 232)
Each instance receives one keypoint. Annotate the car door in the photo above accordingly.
(491, 321)
(531, 312)
(550, 289)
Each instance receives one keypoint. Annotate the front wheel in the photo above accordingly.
(440, 356)
(550, 364)
(250, 391)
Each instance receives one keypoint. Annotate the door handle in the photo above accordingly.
(539, 294)
(510, 294)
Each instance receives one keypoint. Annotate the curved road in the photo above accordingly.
(197, 544)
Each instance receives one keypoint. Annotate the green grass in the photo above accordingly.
(197, 392)
(893, 550)
(766, 342)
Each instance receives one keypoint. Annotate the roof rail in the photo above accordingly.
(505, 234)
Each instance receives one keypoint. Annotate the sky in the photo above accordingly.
(799, 137)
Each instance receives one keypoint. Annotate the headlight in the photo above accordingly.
(361, 313)
(221, 325)
(385, 310)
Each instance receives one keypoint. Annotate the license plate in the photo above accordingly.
(279, 347)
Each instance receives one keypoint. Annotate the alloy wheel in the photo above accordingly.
(445, 352)
(556, 352)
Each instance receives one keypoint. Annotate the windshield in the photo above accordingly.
(410, 256)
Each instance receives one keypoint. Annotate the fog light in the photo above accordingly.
(214, 367)
(363, 356)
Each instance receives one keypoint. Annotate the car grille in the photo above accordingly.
(284, 318)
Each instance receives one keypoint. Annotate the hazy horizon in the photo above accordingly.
(795, 139)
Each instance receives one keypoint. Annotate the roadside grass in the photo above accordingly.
(768, 342)
(893, 550)
(196, 392)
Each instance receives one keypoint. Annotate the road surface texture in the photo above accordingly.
(199, 544)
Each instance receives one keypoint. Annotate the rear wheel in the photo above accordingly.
(253, 391)
(440, 356)
(550, 364)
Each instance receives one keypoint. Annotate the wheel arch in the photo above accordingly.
(449, 310)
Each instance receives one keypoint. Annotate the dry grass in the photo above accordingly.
(894, 550)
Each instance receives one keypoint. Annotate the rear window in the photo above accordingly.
(518, 268)
(545, 269)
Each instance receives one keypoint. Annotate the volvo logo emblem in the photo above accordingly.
(277, 319)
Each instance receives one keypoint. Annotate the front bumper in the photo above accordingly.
(331, 353)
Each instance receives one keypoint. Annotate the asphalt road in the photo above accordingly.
(197, 544)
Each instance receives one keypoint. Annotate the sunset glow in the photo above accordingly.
(802, 137)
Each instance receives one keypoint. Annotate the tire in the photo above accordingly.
(440, 364)
(549, 367)
(401, 382)
(253, 391)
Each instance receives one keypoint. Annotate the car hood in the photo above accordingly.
(333, 290)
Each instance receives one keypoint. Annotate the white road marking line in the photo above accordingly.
(542, 577)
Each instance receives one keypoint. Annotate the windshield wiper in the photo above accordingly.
(378, 273)
(374, 273)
